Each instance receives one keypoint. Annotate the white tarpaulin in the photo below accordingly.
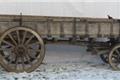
(75, 8)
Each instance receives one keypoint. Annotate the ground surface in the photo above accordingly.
(65, 62)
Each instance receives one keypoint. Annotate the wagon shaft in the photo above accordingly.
(23, 37)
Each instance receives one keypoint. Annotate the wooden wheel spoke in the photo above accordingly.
(30, 44)
(6, 42)
(6, 49)
(118, 53)
(35, 50)
(24, 36)
(31, 56)
(10, 60)
(13, 40)
(16, 62)
(18, 36)
(30, 38)
(114, 59)
(28, 59)
(13, 55)
(114, 56)
(23, 65)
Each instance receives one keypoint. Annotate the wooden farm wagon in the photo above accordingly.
(23, 38)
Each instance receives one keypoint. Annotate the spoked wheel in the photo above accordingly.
(21, 49)
(114, 57)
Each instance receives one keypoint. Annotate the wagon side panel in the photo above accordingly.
(105, 29)
(116, 29)
(55, 29)
(93, 29)
(6, 25)
(80, 28)
(42, 28)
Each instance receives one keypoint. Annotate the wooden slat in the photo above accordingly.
(119, 29)
(49, 27)
(99, 29)
(61, 29)
(86, 28)
(111, 29)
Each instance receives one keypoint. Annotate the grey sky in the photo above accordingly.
(59, 1)
(68, 8)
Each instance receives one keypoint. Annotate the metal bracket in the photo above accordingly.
(20, 20)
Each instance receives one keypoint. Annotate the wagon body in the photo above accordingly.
(22, 38)
(64, 26)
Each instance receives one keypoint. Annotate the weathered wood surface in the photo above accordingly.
(63, 26)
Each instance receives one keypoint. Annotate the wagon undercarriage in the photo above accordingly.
(23, 38)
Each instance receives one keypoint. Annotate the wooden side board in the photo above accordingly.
(63, 26)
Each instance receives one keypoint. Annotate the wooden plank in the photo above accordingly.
(99, 30)
(49, 27)
(61, 29)
(86, 28)
(119, 29)
(111, 29)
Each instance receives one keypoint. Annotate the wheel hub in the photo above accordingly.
(20, 50)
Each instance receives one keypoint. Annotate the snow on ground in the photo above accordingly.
(66, 62)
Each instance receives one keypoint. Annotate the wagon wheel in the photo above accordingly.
(21, 49)
(114, 57)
